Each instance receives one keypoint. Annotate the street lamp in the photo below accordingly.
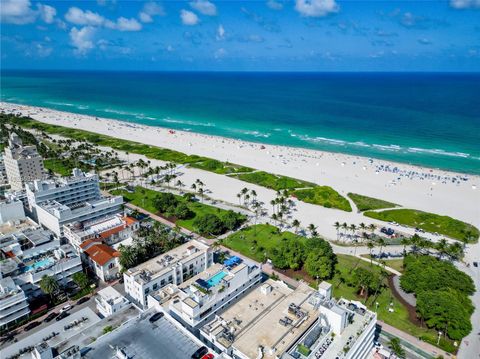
(439, 335)
(376, 306)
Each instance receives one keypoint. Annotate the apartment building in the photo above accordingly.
(70, 191)
(274, 321)
(22, 163)
(109, 301)
(196, 300)
(13, 303)
(110, 229)
(31, 254)
(173, 267)
(11, 210)
(54, 215)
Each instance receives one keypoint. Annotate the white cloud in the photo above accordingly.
(43, 51)
(88, 18)
(77, 16)
(316, 8)
(82, 40)
(204, 7)
(20, 12)
(275, 5)
(465, 4)
(149, 10)
(124, 24)
(220, 32)
(220, 53)
(188, 17)
(47, 13)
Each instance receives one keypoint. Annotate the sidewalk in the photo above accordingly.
(427, 347)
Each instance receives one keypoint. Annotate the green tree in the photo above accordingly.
(232, 220)
(183, 212)
(396, 347)
(209, 224)
(49, 285)
(81, 280)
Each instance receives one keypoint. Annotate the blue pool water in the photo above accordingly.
(42, 263)
(212, 282)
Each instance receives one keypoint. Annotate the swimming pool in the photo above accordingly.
(43, 263)
(212, 282)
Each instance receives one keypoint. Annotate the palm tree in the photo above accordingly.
(273, 203)
(313, 230)
(353, 228)
(396, 347)
(275, 217)
(381, 243)
(442, 247)
(239, 196)
(49, 285)
(362, 226)
(455, 251)
(372, 227)
(405, 241)
(337, 227)
(370, 246)
(296, 224)
(345, 226)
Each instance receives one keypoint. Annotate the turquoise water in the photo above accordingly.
(217, 278)
(42, 263)
(425, 119)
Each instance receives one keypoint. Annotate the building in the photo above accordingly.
(54, 215)
(11, 211)
(102, 259)
(70, 191)
(196, 300)
(138, 338)
(3, 173)
(31, 254)
(111, 230)
(109, 301)
(173, 267)
(13, 303)
(22, 163)
(274, 321)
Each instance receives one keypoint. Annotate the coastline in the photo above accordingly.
(411, 186)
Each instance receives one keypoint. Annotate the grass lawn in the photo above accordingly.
(144, 198)
(399, 318)
(396, 264)
(365, 203)
(63, 167)
(220, 167)
(430, 222)
(272, 181)
(266, 237)
(323, 196)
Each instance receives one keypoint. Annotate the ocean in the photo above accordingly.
(426, 119)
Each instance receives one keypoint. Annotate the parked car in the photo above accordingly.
(200, 353)
(83, 300)
(208, 356)
(156, 317)
(50, 317)
(31, 326)
(65, 308)
(62, 315)
(475, 264)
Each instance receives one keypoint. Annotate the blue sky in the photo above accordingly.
(273, 35)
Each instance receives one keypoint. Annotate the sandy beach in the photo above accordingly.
(432, 190)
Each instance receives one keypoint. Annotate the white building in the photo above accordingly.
(22, 163)
(173, 267)
(3, 173)
(199, 298)
(11, 211)
(111, 230)
(102, 259)
(34, 253)
(273, 321)
(70, 191)
(54, 215)
(13, 303)
(109, 301)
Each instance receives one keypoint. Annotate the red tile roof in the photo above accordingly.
(106, 234)
(129, 220)
(89, 242)
(101, 253)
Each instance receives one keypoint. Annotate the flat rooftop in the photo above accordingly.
(141, 339)
(156, 266)
(16, 226)
(255, 319)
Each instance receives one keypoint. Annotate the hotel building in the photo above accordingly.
(173, 267)
(13, 303)
(22, 163)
